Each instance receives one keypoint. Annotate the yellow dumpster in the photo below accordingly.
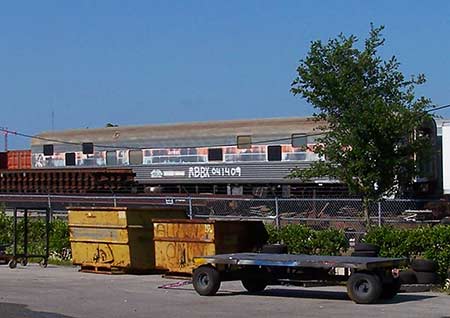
(177, 242)
(115, 240)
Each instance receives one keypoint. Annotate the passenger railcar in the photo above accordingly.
(237, 157)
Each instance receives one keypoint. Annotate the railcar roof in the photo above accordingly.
(266, 127)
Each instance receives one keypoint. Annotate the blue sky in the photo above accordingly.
(141, 62)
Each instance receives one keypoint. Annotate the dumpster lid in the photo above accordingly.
(203, 221)
(124, 208)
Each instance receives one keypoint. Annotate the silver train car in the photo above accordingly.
(235, 157)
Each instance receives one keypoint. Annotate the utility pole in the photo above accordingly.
(53, 119)
(5, 134)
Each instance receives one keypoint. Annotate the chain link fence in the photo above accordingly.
(345, 214)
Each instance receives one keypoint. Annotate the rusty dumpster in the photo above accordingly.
(177, 242)
(115, 240)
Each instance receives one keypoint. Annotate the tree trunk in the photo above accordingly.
(366, 204)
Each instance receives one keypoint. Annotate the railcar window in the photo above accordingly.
(299, 140)
(70, 159)
(111, 158)
(122, 157)
(295, 156)
(88, 148)
(244, 142)
(175, 156)
(135, 157)
(48, 150)
(215, 154)
(255, 153)
(274, 153)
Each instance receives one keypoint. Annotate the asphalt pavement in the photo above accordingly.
(60, 292)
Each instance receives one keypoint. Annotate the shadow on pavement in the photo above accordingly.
(9, 310)
(320, 294)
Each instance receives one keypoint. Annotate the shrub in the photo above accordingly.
(430, 242)
(301, 239)
(6, 228)
(58, 238)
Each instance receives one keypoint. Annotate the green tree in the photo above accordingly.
(371, 137)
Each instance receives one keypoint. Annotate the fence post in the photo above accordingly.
(379, 213)
(50, 210)
(190, 208)
(277, 214)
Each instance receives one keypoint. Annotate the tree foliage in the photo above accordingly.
(372, 135)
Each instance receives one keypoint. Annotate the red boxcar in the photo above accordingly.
(19, 159)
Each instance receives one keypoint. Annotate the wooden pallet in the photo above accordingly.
(102, 269)
(175, 275)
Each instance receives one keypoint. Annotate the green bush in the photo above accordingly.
(273, 234)
(58, 238)
(301, 239)
(6, 228)
(59, 235)
(430, 242)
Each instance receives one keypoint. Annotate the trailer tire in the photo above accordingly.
(427, 278)
(365, 253)
(274, 249)
(391, 289)
(206, 280)
(254, 285)
(408, 277)
(364, 288)
(366, 247)
(424, 265)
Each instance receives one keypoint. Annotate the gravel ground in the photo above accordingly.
(58, 292)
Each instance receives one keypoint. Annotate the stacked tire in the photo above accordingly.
(425, 271)
(274, 249)
(366, 250)
(446, 220)
(422, 272)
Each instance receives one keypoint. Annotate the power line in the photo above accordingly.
(438, 108)
(142, 148)
(7, 131)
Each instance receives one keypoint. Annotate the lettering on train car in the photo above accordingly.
(208, 172)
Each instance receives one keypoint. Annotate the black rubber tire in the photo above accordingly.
(12, 263)
(24, 262)
(390, 290)
(43, 263)
(446, 220)
(366, 247)
(254, 285)
(365, 254)
(274, 249)
(427, 278)
(408, 277)
(206, 280)
(364, 288)
(448, 273)
(424, 265)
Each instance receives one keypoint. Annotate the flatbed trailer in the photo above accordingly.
(368, 278)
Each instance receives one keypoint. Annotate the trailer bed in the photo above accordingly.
(302, 260)
(368, 278)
